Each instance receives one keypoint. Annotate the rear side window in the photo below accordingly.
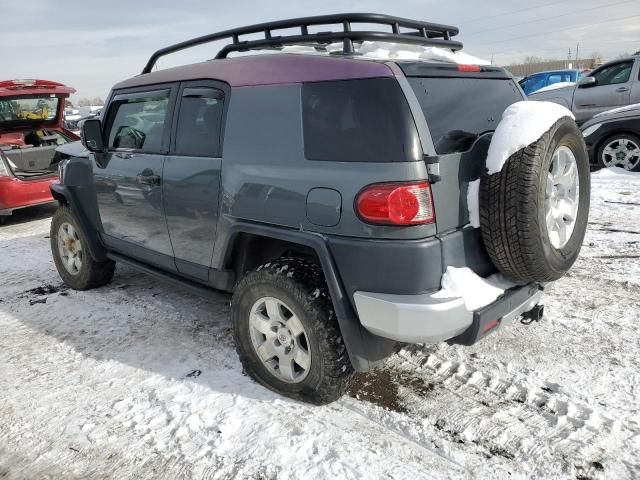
(459, 110)
(199, 122)
(138, 121)
(365, 120)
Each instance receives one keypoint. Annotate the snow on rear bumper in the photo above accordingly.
(426, 318)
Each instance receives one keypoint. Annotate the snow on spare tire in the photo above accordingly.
(534, 193)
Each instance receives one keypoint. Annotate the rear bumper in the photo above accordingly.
(16, 193)
(425, 318)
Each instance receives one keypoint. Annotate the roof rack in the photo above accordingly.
(421, 33)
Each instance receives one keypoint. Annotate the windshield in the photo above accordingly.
(21, 110)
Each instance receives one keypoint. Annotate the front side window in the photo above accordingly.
(366, 120)
(199, 122)
(614, 74)
(138, 121)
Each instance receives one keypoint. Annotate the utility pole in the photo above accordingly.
(577, 56)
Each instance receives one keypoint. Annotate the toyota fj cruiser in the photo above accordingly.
(327, 191)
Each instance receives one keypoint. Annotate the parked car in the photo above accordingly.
(31, 113)
(537, 81)
(614, 84)
(613, 138)
(328, 192)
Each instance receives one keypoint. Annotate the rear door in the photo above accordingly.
(613, 89)
(462, 110)
(191, 176)
(129, 185)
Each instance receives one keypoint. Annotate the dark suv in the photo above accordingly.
(326, 191)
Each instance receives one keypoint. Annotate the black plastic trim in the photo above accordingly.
(64, 195)
(423, 33)
(365, 349)
(504, 305)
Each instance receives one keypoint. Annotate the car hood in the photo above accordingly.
(629, 111)
(554, 92)
(73, 149)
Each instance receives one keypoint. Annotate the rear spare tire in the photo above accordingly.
(534, 212)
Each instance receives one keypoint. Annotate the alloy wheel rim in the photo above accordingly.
(562, 196)
(70, 248)
(621, 152)
(280, 340)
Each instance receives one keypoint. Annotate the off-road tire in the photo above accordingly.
(301, 285)
(512, 209)
(92, 274)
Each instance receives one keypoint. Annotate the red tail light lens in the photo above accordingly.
(396, 204)
(469, 68)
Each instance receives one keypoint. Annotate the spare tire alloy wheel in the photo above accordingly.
(562, 194)
(621, 151)
(534, 212)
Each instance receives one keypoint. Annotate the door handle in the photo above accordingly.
(124, 155)
(152, 180)
(622, 89)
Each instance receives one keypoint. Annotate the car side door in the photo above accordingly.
(128, 180)
(635, 84)
(612, 89)
(192, 175)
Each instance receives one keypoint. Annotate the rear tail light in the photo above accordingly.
(396, 204)
(469, 68)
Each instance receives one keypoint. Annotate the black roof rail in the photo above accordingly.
(424, 33)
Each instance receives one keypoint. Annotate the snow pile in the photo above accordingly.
(473, 203)
(555, 86)
(396, 51)
(626, 108)
(522, 124)
(477, 292)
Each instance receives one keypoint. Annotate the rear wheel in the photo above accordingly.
(71, 255)
(287, 334)
(621, 150)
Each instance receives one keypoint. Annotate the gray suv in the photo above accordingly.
(327, 191)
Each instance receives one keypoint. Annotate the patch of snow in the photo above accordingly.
(626, 108)
(473, 203)
(555, 86)
(395, 51)
(477, 292)
(613, 172)
(522, 124)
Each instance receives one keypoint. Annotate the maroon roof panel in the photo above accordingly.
(267, 70)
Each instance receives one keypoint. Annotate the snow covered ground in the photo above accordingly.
(138, 381)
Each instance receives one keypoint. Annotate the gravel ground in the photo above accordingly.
(138, 380)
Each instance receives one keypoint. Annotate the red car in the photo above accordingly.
(31, 114)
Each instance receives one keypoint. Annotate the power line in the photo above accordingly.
(560, 30)
(512, 12)
(550, 18)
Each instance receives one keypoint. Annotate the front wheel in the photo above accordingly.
(622, 150)
(287, 334)
(71, 254)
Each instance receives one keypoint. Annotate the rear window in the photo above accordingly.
(358, 121)
(459, 110)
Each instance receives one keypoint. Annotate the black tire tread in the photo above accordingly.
(94, 274)
(508, 213)
(303, 279)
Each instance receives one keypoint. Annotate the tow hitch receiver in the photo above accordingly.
(533, 315)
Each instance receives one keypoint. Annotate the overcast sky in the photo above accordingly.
(90, 45)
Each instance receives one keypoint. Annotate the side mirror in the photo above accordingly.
(92, 135)
(587, 82)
